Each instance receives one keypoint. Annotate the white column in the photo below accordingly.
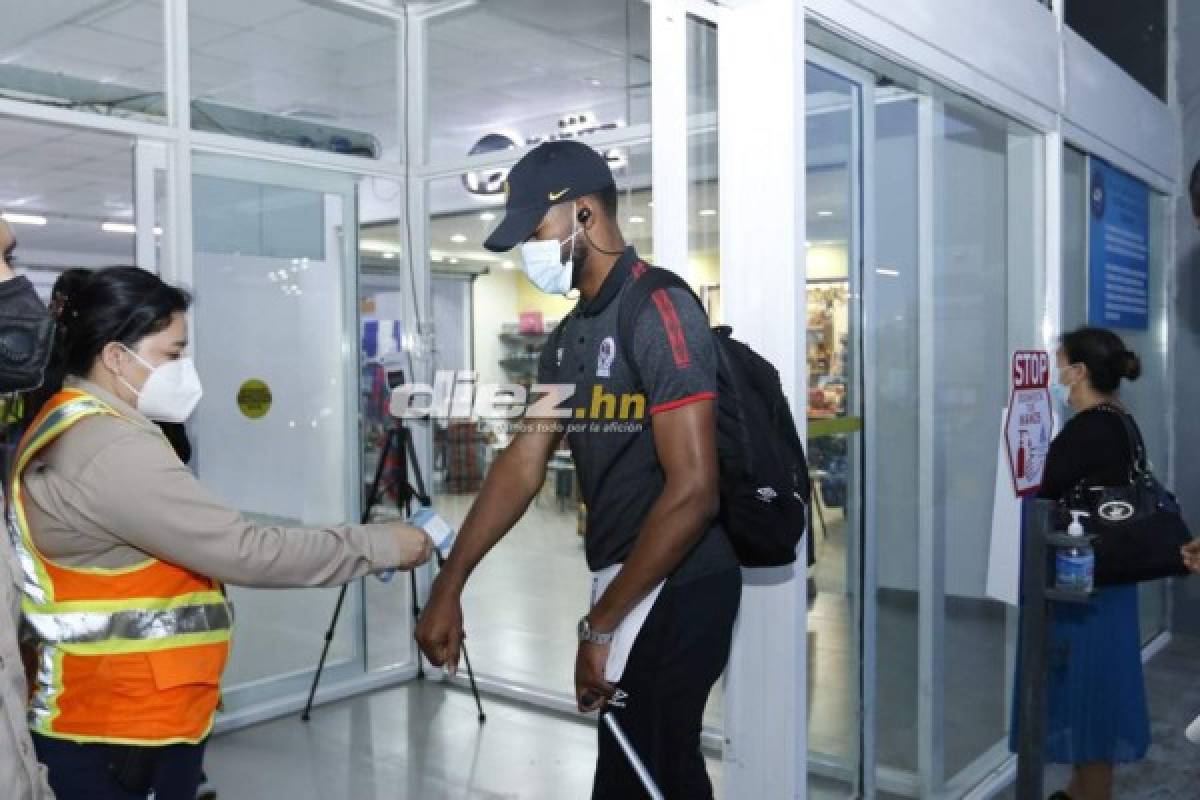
(762, 163)
(668, 119)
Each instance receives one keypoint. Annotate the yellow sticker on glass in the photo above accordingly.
(254, 399)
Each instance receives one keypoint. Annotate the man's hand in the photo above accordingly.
(592, 691)
(1191, 555)
(440, 629)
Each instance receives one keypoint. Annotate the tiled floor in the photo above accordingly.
(520, 608)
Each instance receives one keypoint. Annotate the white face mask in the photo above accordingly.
(541, 261)
(171, 392)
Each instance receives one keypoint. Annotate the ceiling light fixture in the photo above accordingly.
(118, 227)
(509, 265)
(637, 220)
(458, 238)
(23, 219)
(708, 212)
(891, 273)
(487, 216)
(389, 255)
(824, 213)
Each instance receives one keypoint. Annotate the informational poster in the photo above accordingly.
(1118, 249)
(1030, 422)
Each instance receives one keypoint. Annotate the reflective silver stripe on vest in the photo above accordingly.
(44, 696)
(31, 587)
(81, 627)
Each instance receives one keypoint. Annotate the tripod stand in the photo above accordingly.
(399, 440)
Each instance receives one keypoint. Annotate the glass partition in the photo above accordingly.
(921, 255)
(567, 68)
(88, 55)
(311, 75)
(273, 268)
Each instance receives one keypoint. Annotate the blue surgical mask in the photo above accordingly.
(1060, 391)
(542, 262)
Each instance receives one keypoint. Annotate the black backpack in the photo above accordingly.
(765, 488)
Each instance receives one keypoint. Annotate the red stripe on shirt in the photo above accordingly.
(683, 401)
(670, 320)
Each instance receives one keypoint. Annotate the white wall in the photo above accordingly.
(495, 301)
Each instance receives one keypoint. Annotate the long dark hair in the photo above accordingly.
(1105, 356)
(115, 304)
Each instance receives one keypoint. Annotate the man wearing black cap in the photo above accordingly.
(667, 583)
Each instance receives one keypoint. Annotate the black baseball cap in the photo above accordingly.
(552, 173)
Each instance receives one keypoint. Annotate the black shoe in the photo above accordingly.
(1059, 796)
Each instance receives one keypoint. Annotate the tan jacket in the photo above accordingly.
(111, 491)
(22, 777)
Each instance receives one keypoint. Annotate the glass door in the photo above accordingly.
(275, 329)
(837, 647)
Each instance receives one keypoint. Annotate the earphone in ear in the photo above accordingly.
(584, 215)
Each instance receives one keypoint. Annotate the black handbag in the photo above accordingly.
(1139, 527)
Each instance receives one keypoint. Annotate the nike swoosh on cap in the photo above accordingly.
(555, 195)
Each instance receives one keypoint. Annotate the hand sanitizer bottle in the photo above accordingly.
(1075, 566)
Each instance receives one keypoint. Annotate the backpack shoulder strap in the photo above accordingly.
(633, 302)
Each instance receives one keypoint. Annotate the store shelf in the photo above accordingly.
(524, 339)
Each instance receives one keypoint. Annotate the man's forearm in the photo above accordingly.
(510, 486)
(677, 520)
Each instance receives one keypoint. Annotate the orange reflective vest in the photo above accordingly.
(124, 656)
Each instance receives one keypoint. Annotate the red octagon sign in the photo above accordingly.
(1030, 423)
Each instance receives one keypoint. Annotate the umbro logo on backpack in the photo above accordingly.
(766, 494)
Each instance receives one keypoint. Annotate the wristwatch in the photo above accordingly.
(586, 634)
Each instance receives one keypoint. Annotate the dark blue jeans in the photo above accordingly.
(87, 771)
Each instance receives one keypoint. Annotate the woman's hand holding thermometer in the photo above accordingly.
(439, 531)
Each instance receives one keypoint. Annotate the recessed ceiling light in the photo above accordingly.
(23, 219)
(454, 261)
(637, 220)
(157, 231)
(118, 227)
(509, 265)
(891, 273)
(377, 246)
(487, 216)
(708, 212)
(458, 238)
(824, 213)
(389, 255)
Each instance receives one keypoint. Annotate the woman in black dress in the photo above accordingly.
(1097, 700)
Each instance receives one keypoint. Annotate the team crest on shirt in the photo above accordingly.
(604, 361)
